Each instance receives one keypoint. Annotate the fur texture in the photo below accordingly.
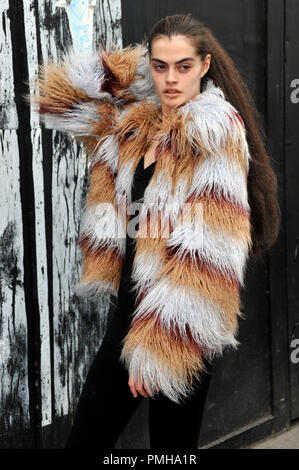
(194, 232)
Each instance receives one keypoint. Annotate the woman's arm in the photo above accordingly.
(82, 95)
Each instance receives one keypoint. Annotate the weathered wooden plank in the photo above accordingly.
(14, 394)
(80, 19)
(77, 325)
(64, 203)
(107, 22)
(71, 329)
(8, 113)
(40, 229)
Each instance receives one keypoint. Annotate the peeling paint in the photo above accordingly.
(80, 16)
(13, 416)
(14, 396)
(10, 274)
(46, 171)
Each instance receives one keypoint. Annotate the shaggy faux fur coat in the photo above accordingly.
(190, 265)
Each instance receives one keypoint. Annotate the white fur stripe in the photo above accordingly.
(143, 87)
(220, 175)
(158, 190)
(140, 363)
(124, 182)
(213, 119)
(75, 121)
(102, 225)
(94, 290)
(85, 71)
(217, 250)
(158, 197)
(181, 306)
(145, 270)
(108, 153)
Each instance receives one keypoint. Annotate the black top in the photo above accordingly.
(126, 298)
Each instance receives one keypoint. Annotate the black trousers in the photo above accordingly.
(106, 403)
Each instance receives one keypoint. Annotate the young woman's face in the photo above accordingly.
(175, 64)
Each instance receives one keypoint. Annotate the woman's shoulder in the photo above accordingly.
(211, 119)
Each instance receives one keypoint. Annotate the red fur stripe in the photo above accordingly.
(174, 334)
(238, 116)
(110, 79)
(222, 200)
(84, 243)
(44, 109)
(98, 164)
(212, 271)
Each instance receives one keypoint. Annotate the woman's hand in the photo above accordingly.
(140, 387)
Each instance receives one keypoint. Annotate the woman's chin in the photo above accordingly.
(168, 106)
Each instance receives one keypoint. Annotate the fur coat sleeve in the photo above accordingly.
(188, 275)
(82, 95)
(85, 96)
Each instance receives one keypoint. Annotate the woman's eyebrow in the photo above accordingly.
(178, 62)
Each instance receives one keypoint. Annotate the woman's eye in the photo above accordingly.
(161, 67)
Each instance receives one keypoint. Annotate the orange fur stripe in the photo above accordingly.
(148, 246)
(234, 152)
(122, 64)
(56, 94)
(220, 213)
(102, 186)
(182, 358)
(142, 118)
(96, 262)
(220, 290)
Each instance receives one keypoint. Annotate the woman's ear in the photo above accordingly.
(206, 65)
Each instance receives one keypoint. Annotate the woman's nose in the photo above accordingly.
(171, 77)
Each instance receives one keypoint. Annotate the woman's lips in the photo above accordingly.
(172, 94)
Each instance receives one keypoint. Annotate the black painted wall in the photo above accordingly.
(292, 192)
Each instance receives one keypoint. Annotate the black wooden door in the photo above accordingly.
(248, 396)
(292, 193)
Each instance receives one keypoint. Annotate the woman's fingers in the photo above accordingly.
(141, 388)
(132, 387)
(136, 388)
(148, 391)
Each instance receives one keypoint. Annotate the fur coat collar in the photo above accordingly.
(190, 258)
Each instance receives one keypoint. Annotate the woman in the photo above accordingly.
(173, 128)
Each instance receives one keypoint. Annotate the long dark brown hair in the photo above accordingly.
(262, 180)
